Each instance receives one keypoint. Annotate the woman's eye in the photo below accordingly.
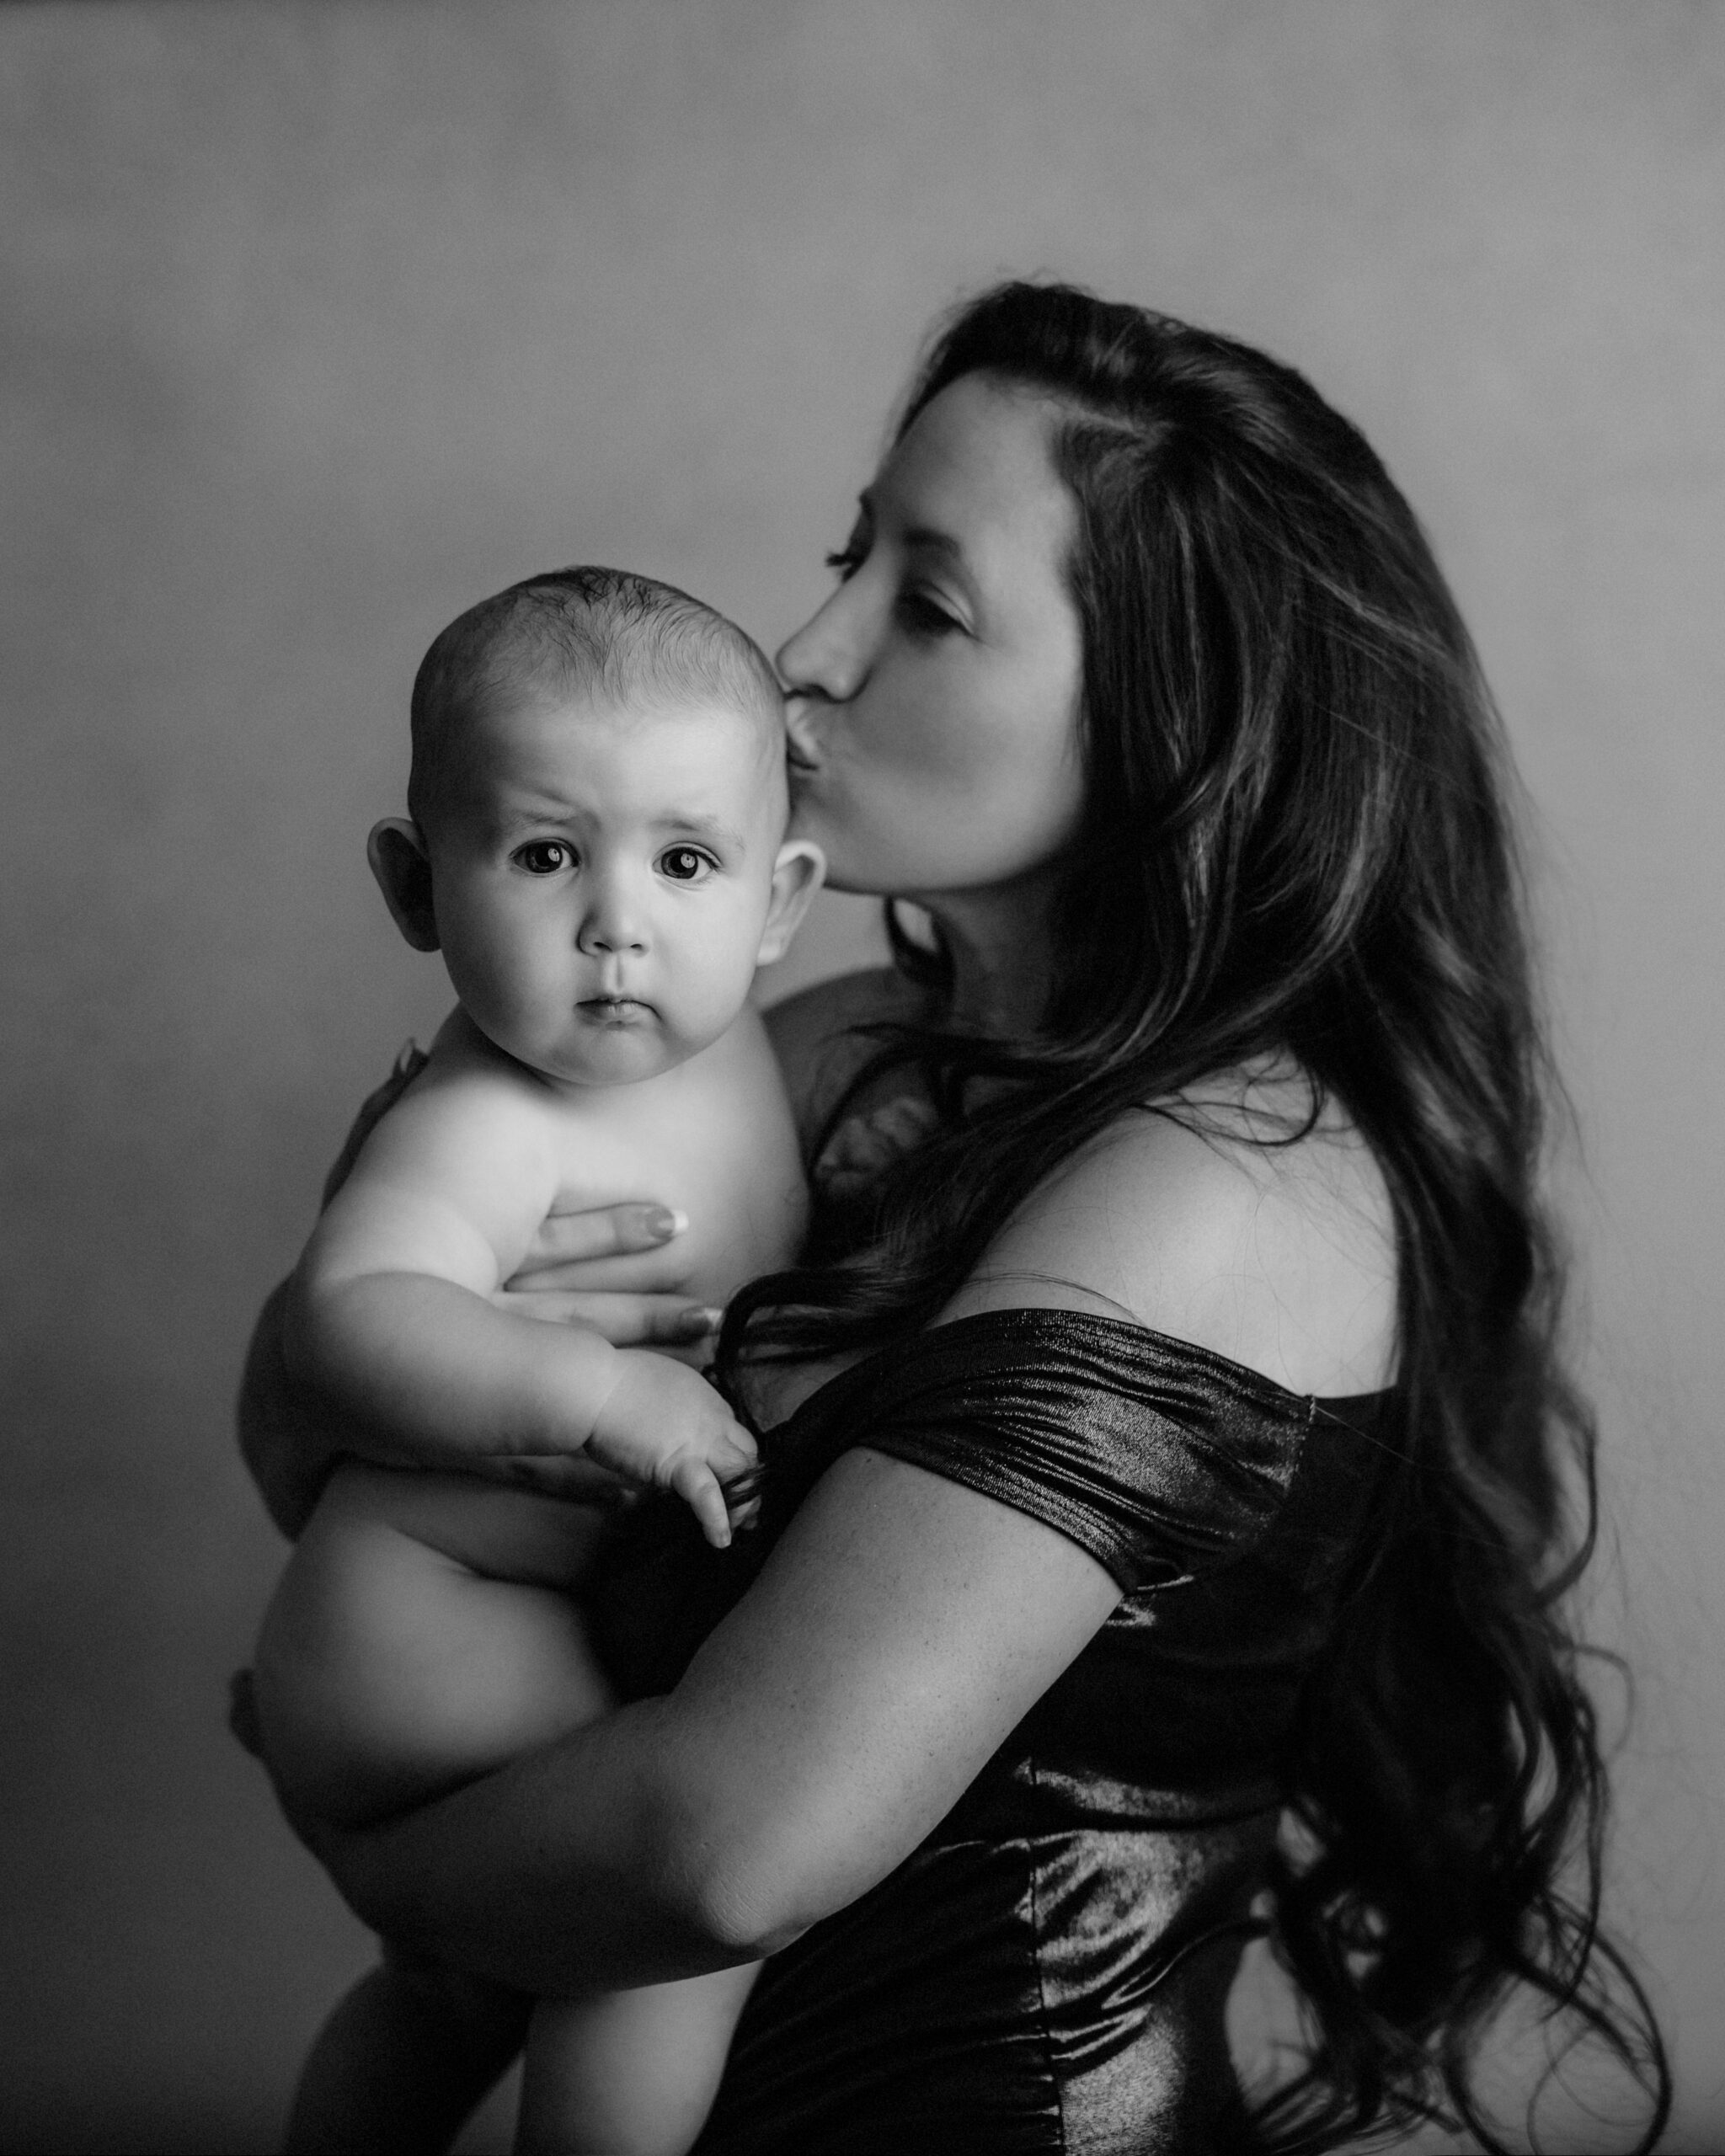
(543, 857)
(684, 865)
(925, 616)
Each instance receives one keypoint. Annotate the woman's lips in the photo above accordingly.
(799, 754)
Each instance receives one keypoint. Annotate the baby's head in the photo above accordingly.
(597, 832)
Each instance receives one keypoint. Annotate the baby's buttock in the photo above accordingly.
(485, 1527)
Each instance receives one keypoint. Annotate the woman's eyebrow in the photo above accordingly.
(925, 537)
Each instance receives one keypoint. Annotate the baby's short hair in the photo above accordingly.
(595, 632)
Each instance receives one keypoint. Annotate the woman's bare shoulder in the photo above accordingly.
(812, 1034)
(1226, 1221)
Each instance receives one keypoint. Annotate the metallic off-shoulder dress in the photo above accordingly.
(1050, 1970)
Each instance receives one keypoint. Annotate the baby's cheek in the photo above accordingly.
(712, 990)
(523, 1005)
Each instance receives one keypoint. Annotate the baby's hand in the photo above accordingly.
(666, 1428)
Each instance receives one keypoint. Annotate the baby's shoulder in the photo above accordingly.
(468, 1095)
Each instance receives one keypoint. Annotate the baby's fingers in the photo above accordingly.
(735, 1453)
(695, 1482)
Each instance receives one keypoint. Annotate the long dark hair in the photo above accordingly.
(1296, 846)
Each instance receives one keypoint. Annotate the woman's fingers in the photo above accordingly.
(625, 1319)
(554, 1282)
(605, 1231)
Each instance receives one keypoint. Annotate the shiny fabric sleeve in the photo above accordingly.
(1161, 1461)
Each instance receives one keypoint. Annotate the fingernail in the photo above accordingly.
(709, 1320)
(666, 1221)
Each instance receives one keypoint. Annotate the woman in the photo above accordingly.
(1165, 1524)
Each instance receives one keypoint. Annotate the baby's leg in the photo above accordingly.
(405, 2058)
(422, 1633)
(628, 2072)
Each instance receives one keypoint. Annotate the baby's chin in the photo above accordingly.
(617, 1047)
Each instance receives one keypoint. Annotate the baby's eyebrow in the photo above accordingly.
(519, 814)
(695, 823)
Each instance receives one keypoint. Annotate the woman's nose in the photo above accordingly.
(829, 656)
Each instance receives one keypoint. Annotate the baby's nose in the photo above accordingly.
(612, 926)
(614, 937)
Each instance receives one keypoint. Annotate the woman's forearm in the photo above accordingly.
(581, 1867)
(901, 1627)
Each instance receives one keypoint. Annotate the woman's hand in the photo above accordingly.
(564, 1279)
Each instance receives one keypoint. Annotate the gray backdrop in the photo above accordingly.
(320, 321)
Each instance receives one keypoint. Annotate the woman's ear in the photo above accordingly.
(403, 868)
(796, 876)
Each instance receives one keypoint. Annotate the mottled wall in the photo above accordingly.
(319, 321)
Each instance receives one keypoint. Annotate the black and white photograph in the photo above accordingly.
(864, 1219)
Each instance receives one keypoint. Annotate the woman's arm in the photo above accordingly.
(901, 1629)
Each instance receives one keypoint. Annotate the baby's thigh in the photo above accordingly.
(628, 2072)
(414, 1640)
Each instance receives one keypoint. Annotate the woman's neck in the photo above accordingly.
(1001, 956)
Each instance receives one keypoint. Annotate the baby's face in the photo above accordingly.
(602, 879)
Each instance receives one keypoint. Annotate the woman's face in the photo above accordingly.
(934, 697)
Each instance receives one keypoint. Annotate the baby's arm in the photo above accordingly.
(389, 1312)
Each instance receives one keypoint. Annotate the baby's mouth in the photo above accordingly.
(615, 1010)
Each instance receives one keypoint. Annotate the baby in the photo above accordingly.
(596, 846)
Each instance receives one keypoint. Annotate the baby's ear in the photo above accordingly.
(796, 876)
(399, 862)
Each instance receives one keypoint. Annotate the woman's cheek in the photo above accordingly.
(907, 836)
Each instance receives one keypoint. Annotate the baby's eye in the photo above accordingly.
(684, 864)
(543, 857)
